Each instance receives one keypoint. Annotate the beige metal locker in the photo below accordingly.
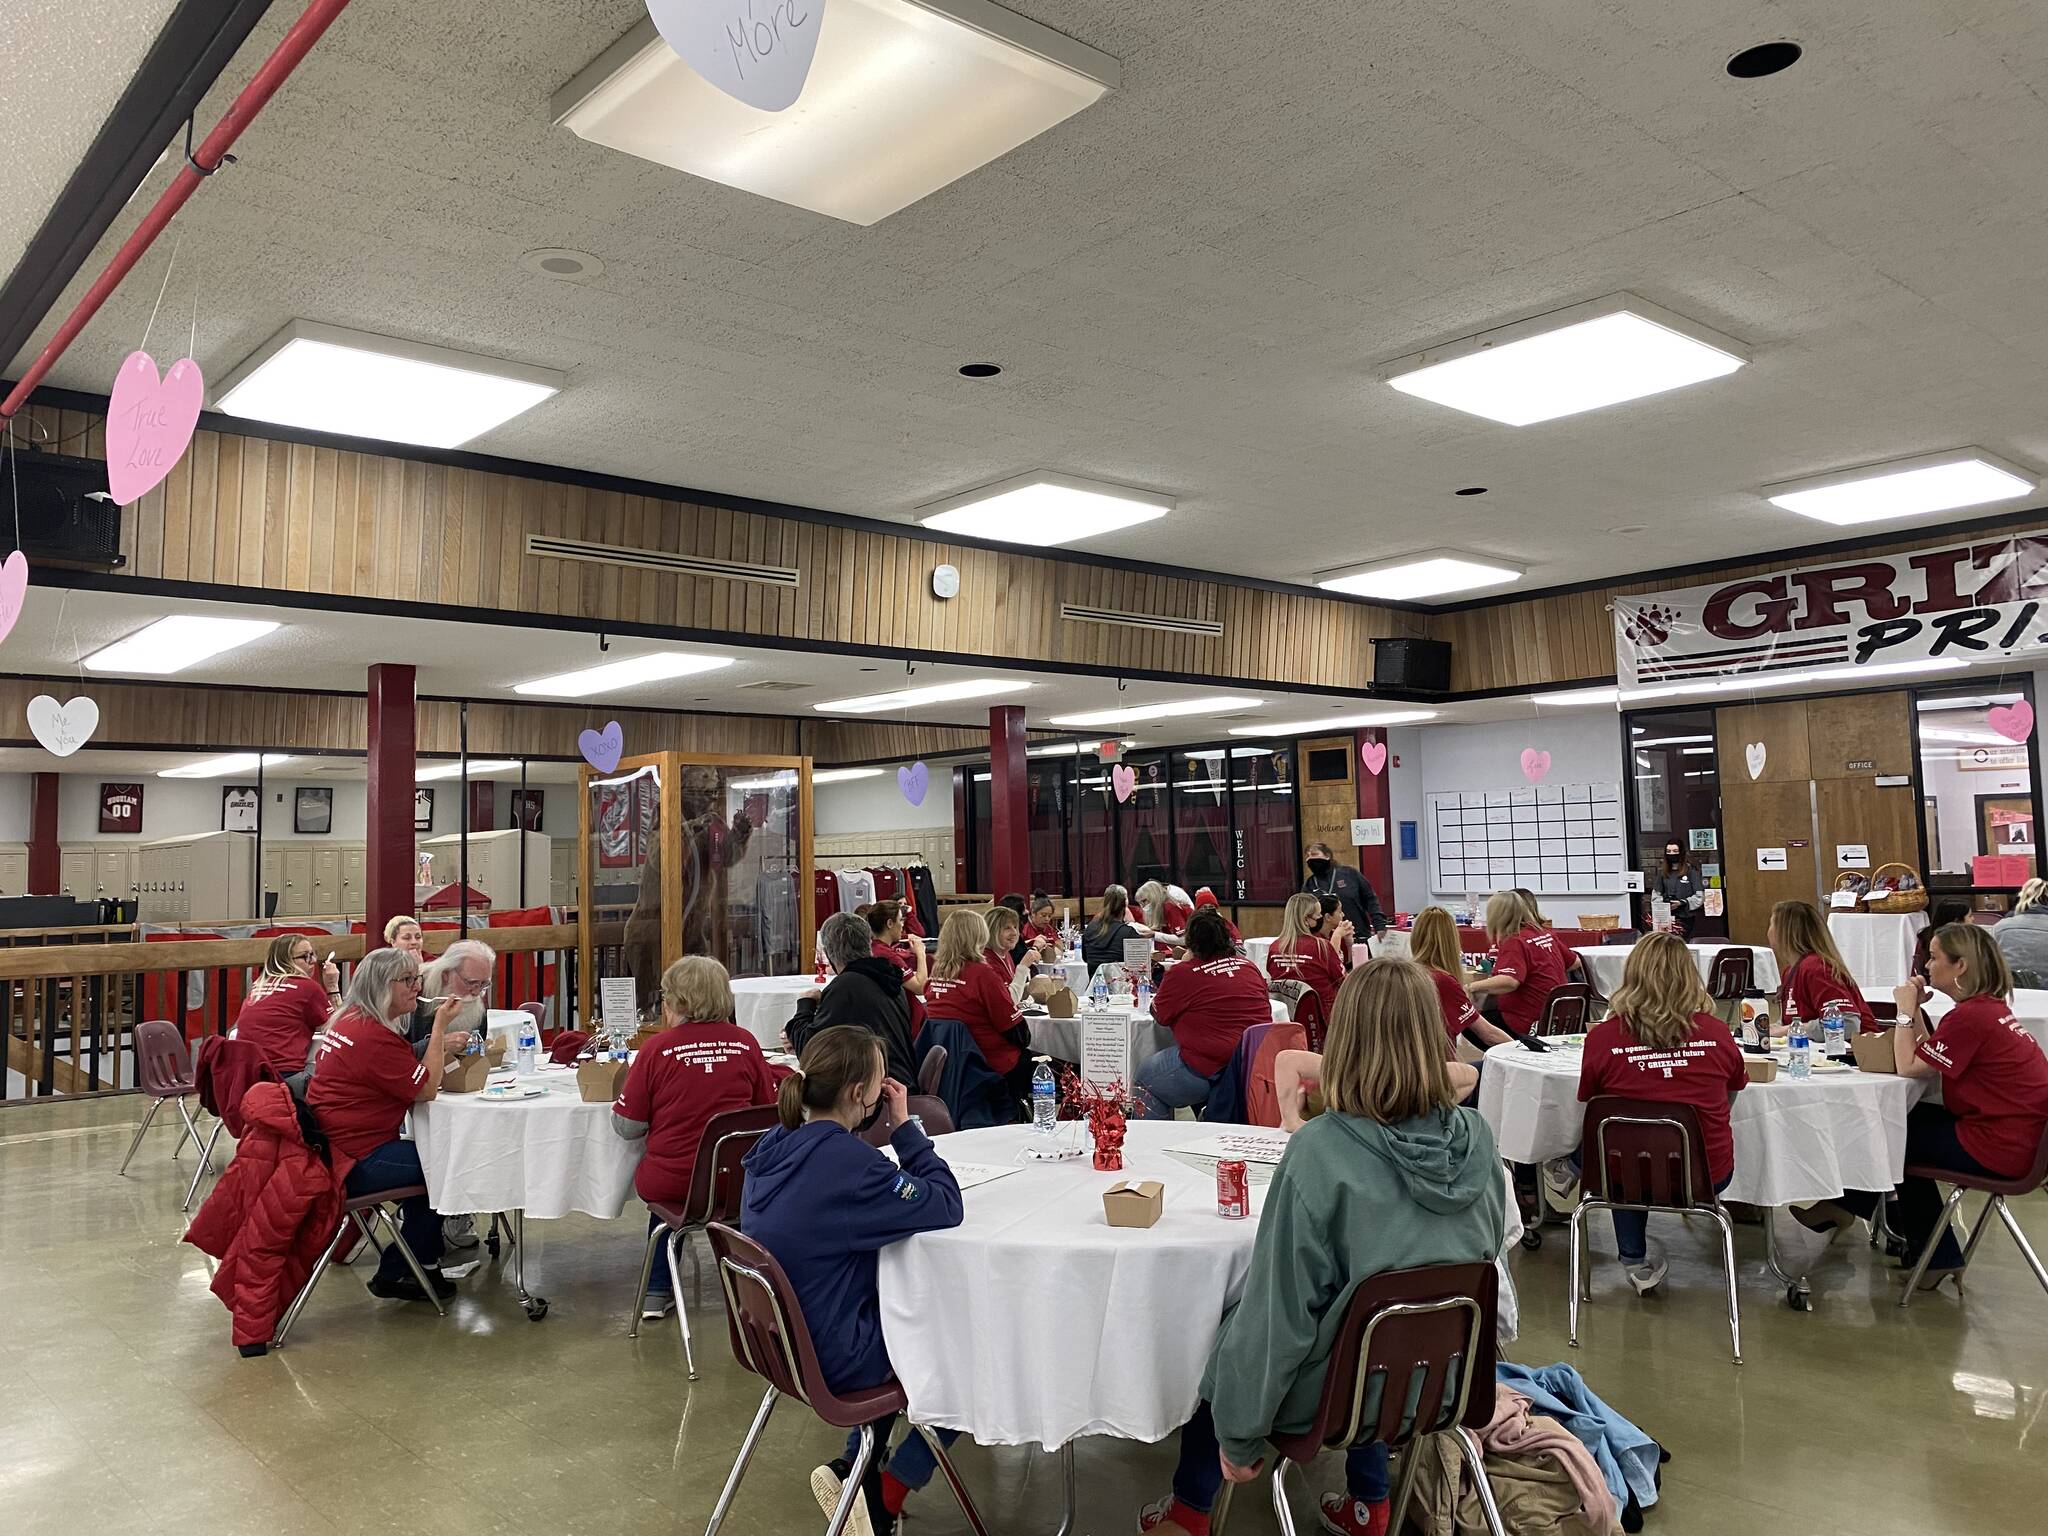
(295, 896)
(562, 873)
(14, 871)
(494, 859)
(205, 877)
(326, 881)
(75, 871)
(352, 863)
(273, 873)
(114, 870)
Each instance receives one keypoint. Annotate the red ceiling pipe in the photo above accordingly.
(285, 58)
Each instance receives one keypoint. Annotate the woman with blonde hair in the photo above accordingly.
(1811, 970)
(1165, 908)
(2022, 938)
(1392, 1175)
(963, 986)
(1433, 945)
(288, 1003)
(405, 933)
(1301, 954)
(1528, 964)
(1661, 1041)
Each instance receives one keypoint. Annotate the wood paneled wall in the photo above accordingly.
(289, 518)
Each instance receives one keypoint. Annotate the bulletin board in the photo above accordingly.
(1553, 839)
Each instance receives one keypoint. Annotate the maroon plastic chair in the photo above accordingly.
(353, 1209)
(1730, 973)
(539, 1011)
(930, 1070)
(1618, 936)
(163, 1070)
(716, 1183)
(1420, 1336)
(1999, 1190)
(771, 1339)
(931, 1109)
(1567, 1010)
(1643, 1155)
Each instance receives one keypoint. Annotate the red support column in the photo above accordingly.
(482, 804)
(1008, 801)
(388, 865)
(45, 862)
(1376, 800)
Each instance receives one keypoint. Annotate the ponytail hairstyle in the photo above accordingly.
(277, 961)
(835, 1059)
(1297, 920)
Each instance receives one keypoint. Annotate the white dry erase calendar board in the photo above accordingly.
(1553, 839)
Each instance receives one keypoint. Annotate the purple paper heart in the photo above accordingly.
(914, 781)
(602, 749)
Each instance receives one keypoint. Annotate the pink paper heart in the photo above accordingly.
(1123, 781)
(914, 781)
(2015, 722)
(602, 749)
(149, 423)
(13, 590)
(1534, 764)
(1374, 755)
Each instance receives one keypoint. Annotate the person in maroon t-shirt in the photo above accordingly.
(1208, 1001)
(1811, 970)
(1528, 964)
(1300, 954)
(885, 921)
(1004, 928)
(1207, 898)
(1662, 1041)
(286, 1006)
(1042, 930)
(700, 1065)
(1994, 1089)
(966, 988)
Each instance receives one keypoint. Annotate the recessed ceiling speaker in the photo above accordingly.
(1419, 666)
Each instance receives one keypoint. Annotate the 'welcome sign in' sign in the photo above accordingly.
(1962, 601)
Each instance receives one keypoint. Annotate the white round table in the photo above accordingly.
(1073, 972)
(546, 1156)
(1877, 946)
(1034, 1321)
(764, 1004)
(1604, 963)
(2029, 1008)
(1794, 1142)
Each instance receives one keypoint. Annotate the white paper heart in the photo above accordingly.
(1753, 756)
(756, 51)
(63, 728)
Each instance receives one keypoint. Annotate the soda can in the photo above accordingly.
(1233, 1189)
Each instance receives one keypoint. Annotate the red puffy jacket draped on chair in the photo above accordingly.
(271, 1216)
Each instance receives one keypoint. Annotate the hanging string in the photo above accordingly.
(171, 267)
(14, 480)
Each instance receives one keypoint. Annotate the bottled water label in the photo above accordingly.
(1801, 1063)
(1045, 1111)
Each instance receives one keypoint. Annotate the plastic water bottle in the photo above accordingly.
(529, 1046)
(1800, 1066)
(1045, 1110)
(1098, 992)
(1834, 1020)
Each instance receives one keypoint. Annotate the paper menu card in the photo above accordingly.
(1105, 1046)
(1244, 1146)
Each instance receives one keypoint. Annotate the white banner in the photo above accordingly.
(1906, 612)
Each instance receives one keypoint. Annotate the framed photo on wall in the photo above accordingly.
(527, 805)
(238, 807)
(423, 810)
(120, 807)
(313, 809)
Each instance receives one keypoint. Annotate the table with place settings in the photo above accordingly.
(1604, 963)
(1061, 1038)
(763, 1004)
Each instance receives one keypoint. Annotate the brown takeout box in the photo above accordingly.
(1875, 1053)
(1761, 1069)
(599, 1082)
(1129, 1204)
(1054, 993)
(467, 1074)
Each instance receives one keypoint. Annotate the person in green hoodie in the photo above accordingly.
(1393, 1175)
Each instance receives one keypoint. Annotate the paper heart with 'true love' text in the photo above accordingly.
(150, 422)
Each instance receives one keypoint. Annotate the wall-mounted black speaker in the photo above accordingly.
(1420, 666)
(66, 515)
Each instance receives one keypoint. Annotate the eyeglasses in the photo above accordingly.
(411, 979)
(305, 957)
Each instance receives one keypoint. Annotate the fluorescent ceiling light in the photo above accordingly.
(1933, 482)
(1170, 710)
(1578, 359)
(1043, 509)
(1671, 741)
(326, 379)
(173, 644)
(1074, 749)
(908, 698)
(903, 97)
(1750, 682)
(453, 770)
(786, 780)
(616, 676)
(221, 767)
(1336, 723)
(1430, 573)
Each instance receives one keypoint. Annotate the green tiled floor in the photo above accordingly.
(123, 1407)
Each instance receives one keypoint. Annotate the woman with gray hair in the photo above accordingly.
(364, 1079)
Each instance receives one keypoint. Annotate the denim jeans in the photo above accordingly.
(1166, 1083)
(395, 1165)
(1199, 1476)
(659, 1282)
(1930, 1140)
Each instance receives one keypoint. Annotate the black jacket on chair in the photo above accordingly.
(869, 993)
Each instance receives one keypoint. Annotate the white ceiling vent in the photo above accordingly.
(1076, 613)
(667, 561)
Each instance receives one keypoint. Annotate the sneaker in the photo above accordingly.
(1345, 1516)
(403, 1288)
(458, 1231)
(657, 1306)
(1647, 1273)
(827, 1484)
(1158, 1516)
(1561, 1179)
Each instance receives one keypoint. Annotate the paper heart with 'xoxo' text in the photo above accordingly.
(62, 728)
(756, 51)
(2015, 722)
(1374, 755)
(602, 749)
(150, 422)
(13, 590)
(1753, 759)
(1535, 764)
(1123, 781)
(914, 781)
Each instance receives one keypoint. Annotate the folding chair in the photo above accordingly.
(1998, 1189)
(356, 1205)
(1643, 1155)
(771, 1339)
(1420, 1336)
(163, 1070)
(716, 1184)
(1566, 1010)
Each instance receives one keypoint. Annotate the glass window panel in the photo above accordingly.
(1262, 791)
(1144, 845)
(1201, 819)
(1982, 826)
(1051, 802)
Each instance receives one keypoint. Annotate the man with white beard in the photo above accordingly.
(462, 972)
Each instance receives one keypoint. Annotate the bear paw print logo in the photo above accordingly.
(1650, 624)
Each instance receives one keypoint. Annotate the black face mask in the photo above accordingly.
(1673, 860)
(1319, 867)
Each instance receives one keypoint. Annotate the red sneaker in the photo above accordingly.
(1160, 1517)
(1346, 1516)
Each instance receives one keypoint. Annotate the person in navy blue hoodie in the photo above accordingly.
(824, 1203)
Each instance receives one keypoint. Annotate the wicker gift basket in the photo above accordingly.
(1895, 888)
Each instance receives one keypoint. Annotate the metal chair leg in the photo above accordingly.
(1727, 1226)
(953, 1481)
(140, 1131)
(1281, 1513)
(1927, 1248)
(851, 1490)
(205, 1164)
(646, 1274)
(405, 1252)
(1404, 1490)
(192, 1130)
(675, 1281)
(739, 1466)
(284, 1324)
(1572, 1263)
(1476, 1459)
(2026, 1248)
(1219, 1512)
(1976, 1232)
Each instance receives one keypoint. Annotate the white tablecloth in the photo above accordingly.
(1794, 1142)
(2029, 1007)
(1877, 946)
(1035, 1321)
(764, 1004)
(1073, 972)
(1062, 1037)
(547, 1156)
(1604, 963)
